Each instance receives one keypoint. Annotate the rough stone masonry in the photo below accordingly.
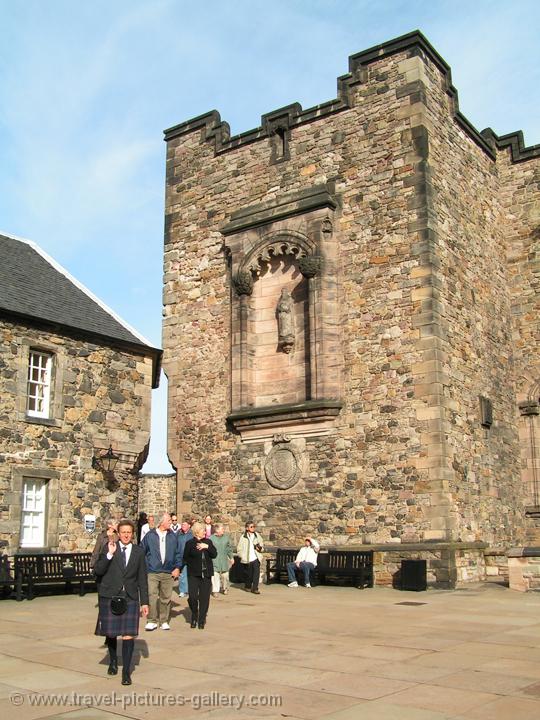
(402, 411)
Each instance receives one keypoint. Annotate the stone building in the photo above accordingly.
(75, 380)
(351, 321)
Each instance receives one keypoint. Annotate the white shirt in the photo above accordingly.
(252, 554)
(308, 553)
(128, 551)
(145, 528)
(162, 534)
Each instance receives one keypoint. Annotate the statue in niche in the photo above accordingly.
(285, 318)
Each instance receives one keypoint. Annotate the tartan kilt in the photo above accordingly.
(112, 625)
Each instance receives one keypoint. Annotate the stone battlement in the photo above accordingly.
(291, 116)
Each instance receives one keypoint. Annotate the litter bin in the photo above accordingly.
(414, 575)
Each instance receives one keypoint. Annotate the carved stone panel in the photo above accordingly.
(285, 329)
(284, 463)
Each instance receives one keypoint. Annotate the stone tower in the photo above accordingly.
(351, 320)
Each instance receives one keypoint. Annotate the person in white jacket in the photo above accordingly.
(306, 560)
(250, 549)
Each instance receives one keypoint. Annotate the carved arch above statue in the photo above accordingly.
(531, 405)
(275, 243)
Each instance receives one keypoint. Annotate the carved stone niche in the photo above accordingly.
(285, 343)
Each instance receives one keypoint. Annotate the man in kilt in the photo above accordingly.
(122, 569)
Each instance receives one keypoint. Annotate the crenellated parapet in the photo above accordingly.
(278, 123)
(518, 151)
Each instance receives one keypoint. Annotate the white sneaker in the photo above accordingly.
(293, 584)
(165, 626)
(308, 585)
(183, 594)
(150, 626)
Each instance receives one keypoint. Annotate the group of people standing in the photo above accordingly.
(138, 579)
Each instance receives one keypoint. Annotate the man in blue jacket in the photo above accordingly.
(163, 562)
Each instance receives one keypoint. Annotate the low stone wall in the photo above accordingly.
(524, 569)
(448, 564)
(496, 565)
(470, 565)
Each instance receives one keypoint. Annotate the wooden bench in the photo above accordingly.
(354, 564)
(7, 582)
(50, 569)
(277, 566)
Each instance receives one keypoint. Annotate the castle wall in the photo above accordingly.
(157, 493)
(520, 197)
(363, 482)
(471, 297)
(417, 296)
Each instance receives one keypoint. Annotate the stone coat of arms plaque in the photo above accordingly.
(283, 465)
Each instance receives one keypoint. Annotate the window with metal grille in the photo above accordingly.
(39, 383)
(33, 508)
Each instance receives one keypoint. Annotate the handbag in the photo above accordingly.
(119, 604)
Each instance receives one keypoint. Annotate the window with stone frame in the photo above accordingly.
(38, 394)
(33, 513)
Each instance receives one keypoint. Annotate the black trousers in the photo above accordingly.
(252, 575)
(199, 597)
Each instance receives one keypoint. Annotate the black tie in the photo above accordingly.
(124, 555)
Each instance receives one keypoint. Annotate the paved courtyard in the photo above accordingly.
(329, 652)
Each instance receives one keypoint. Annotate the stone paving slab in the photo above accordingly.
(385, 711)
(448, 700)
(330, 653)
(507, 708)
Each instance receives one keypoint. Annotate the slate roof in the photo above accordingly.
(34, 286)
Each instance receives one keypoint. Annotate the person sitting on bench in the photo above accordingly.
(306, 560)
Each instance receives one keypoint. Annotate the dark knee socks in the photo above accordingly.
(127, 654)
(111, 645)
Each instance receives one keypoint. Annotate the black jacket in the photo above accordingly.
(199, 562)
(114, 575)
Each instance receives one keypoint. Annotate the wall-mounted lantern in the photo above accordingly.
(106, 462)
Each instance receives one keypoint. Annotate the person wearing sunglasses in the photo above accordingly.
(250, 550)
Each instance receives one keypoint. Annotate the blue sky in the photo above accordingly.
(86, 89)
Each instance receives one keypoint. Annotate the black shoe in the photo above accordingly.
(201, 626)
(256, 592)
(113, 668)
(193, 623)
(126, 679)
